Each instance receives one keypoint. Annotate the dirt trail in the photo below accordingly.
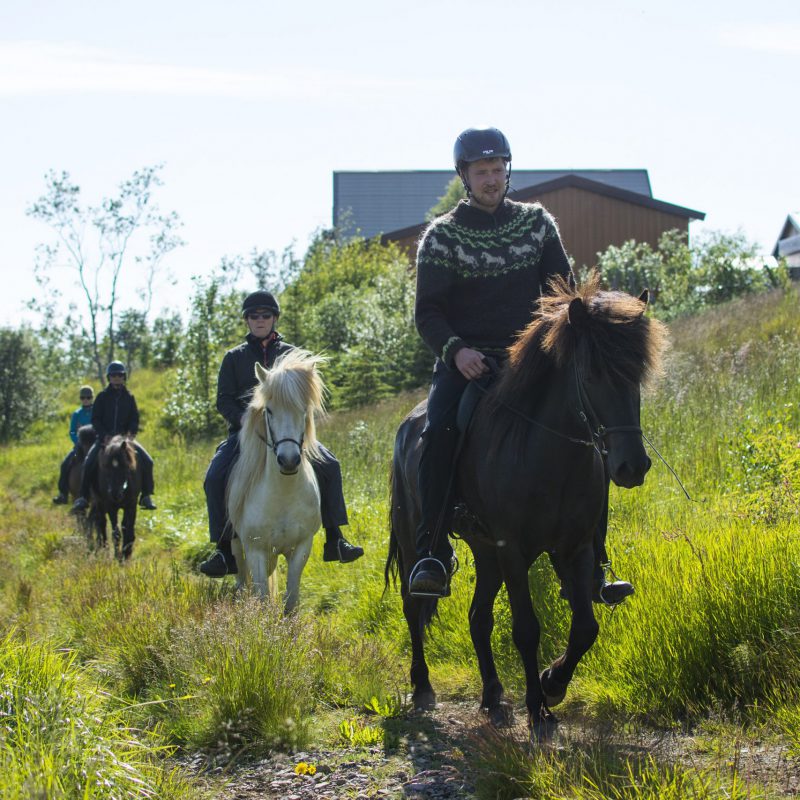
(431, 757)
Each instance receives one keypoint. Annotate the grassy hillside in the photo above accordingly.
(712, 629)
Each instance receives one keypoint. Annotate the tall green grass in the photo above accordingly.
(713, 624)
(59, 739)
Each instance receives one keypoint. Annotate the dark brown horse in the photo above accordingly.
(86, 437)
(561, 419)
(119, 480)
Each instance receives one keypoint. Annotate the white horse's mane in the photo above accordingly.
(292, 382)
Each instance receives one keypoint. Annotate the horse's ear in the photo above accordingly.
(644, 297)
(576, 312)
(261, 373)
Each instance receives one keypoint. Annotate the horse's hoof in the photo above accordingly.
(553, 691)
(424, 701)
(543, 728)
(501, 715)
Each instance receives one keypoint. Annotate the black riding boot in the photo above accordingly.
(222, 562)
(430, 577)
(337, 548)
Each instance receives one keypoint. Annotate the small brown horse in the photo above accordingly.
(86, 437)
(562, 418)
(119, 481)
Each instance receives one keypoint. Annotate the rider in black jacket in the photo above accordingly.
(115, 412)
(235, 385)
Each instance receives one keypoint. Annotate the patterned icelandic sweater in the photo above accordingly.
(479, 275)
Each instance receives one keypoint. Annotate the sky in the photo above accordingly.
(252, 105)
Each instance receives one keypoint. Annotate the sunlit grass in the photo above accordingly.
(714, 622)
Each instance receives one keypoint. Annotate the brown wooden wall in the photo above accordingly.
(589, 223)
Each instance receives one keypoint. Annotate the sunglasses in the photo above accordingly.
(86, 397)
(116, 374)
(267, 315)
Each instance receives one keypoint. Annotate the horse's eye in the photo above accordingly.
(269, 412)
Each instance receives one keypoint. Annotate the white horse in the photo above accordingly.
(273, 497)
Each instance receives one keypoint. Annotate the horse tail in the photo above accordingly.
(395, 568)
(394, 562)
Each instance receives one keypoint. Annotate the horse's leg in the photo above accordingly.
(272, 582)
(525, 632)
(488, 581)
(241, 563)
(100, 523)
(577, 574)
(128, 529)
(418, 611)
(113, 516)
(296, 562)
(259, 569)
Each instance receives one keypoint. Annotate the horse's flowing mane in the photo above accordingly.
(293, 381)
(610, 336)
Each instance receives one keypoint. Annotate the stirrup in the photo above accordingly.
(608, 570)
(429, 562)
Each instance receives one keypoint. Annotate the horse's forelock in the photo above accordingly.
(121, 449)
(293, 381)
(614, 336)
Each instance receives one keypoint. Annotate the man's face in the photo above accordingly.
(116, 379)
(487, 181)
(260, 321)
(86, 400)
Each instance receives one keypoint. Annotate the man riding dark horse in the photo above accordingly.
(115, 413)
(481, 269)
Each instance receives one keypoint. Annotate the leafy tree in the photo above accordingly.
(261, 269)
(20, 383)
(134, 339)
(124, 233)
(683, 280)
(332, 265)
(214, 326)
(453, 194)
(166, 336)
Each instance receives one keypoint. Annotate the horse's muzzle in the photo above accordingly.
(630, 474)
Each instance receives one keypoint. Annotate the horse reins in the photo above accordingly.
(597, 436)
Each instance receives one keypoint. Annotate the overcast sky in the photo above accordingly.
(252, 105)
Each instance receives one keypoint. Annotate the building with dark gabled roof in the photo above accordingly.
(591, 214)
(788, 244)
(373, 203)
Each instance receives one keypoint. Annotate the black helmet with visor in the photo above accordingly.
(474, 144)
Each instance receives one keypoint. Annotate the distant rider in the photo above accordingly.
(115, 413)
(80, 416)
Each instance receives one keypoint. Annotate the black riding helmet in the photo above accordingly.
(260, 299)
(473, 144)
(116, 366)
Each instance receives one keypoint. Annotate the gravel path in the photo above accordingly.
(430, 756)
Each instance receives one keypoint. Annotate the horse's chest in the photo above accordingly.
(284, 514)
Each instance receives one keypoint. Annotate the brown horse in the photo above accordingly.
(119, 481)
(562, 418)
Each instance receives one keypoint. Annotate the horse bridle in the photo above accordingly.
(598, 433)
(272, 443)
(586, 413)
